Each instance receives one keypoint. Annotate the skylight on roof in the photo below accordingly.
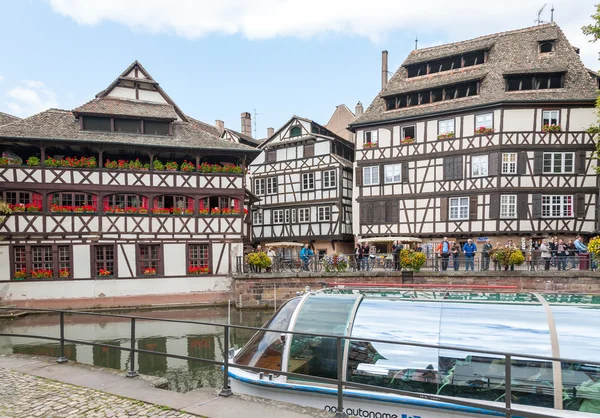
(438, 94)
(453, 62)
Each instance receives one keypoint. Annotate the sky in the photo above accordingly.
(219, 58)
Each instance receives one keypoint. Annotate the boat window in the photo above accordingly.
(265, 348)
(321, 314)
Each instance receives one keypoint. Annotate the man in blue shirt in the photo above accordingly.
(469, 249)
(444, 251)
(305, 255)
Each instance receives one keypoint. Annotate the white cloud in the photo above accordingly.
(30, 98)
(1, 78)
(373, 19)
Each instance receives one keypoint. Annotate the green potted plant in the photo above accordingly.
(33, 161)
(551, 128)
(185, 166)
(260, 260)
(171, 166)
(482, 130)
(158, 165)
(447, 135)
(135, 165)
(20, 275)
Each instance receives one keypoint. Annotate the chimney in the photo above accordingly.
(358, 110)
(270, 132)
(220, 125)
(384, 68)
(247, 124)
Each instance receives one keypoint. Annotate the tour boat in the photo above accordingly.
(438, 381)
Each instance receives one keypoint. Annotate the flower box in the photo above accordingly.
(197, 270)
(218, 168)
(10, 161)
(482, 130)
(41, 274)
(551, 128)
(149, 271)
(171, 166)
(20, 275)
(32, 207)
(104, 273)
(370, 145)
(407, 140)
(19, 207)
(187, 167)
(64, 273)
(33, 161)
(447, 135)
(72, 162)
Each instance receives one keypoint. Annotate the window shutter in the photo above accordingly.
(381, 174)
(394, 211)
(358, 176)
(494, 168)
(522, 205)
(473, 207)
(536, 208)
(443, 209)
(378, 212)
(364, 209)
(404, 167)
(581, 160)
(309, 150)
(580, 205)
(522, 163)
(458, 168)
(538, 162)
(495, 206)
(448, 168)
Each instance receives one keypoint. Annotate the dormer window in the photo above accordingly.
(91, 123)
(534, 81)
(295, 131)
(131, 126)
(546, 47)
(449, 92)
(134, 126)
(453, 62)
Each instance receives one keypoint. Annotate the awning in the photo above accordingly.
(389, 239)
(283, 244)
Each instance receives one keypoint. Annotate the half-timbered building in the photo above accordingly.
(303, 178)
(479, 138)
(124, 186)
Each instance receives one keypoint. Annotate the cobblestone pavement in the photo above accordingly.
(24, 396)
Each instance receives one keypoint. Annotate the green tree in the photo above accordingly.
(594, 31)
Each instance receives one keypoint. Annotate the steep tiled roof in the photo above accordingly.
(61, 125)
(122, 107)
(5, 118)
(245, 138)
(211, 129)
(513, 52)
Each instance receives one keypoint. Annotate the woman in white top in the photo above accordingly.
(546, 254)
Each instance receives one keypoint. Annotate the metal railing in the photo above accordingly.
(533, 261)
(339, 382)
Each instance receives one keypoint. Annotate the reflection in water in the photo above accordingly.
(200, 341)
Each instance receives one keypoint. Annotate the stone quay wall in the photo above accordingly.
(260, 290)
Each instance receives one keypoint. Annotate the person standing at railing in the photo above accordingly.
(305, 255)
(455, 251)
(358, 255)
(545, 254)
(470, 249)
(444, 252)
(582, 253)
(396, 248)
(561, 253)
(485, 254)
(365, 258)
(510, 245)
(271, 254)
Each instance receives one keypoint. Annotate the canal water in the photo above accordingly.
(203, 341)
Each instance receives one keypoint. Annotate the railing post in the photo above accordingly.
(507, 386)
(226, 391)
(340, 377)
(62, 358)
(132, 372)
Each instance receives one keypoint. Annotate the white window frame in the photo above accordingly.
(461, 209)
(557, 206)
(509, 163)
(304, 215)
(394, 171)
(324, 214)
(277, 216)
(257, 218)
(371, 136)
(329, 179)
(560, 165)
(372, 174)
(481, 163)
(485, 119)
(308, 181)
(404, 134)
(286, 215)
(259, 187)
(548, 114)
(293, 216)
(271, 185)
(508, 206)
(445, 126)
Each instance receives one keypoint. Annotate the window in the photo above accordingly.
(328, 179)
(459, 208)
(131, 126)
(278, 216)
(557, 206)
(156, 128)
(198, 256)
(324, 214)
(449, 92)
(371, 176)
(272, 185)
(149, 258)
(91, 123)
(295, 131)
(259, 187)
(558, 162)
(287, 216)
(371, 136)
(19, 259)
(309, 150)
(485, 121)
(408, 132)
(304, 215)
(41, 258)
(479, 166)
(550, 117)
(104, 260)
(392, 173)
(445, 126)
(64, 259)
(272, 156)
(125, 201)
(53, 260)
(546, 47)
(73, 199)
(293, 213)
(308, 181)
(509, 163)
(453, 168)
(446, 64)
(257, 217)
(17, 198)
(179, 202)
(508, 206)
(534, 81)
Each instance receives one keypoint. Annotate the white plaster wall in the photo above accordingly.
(151, 96)
(122, 92)
(126, 253)
(291, 153)
(359, 139)
(215, 254)
(469, 125)
(4, 265)
(322, 148)
(432, 129)
(174, 259)
(281, 154)
(581, 119)
(78, 289)
(384, 137)
(519, 120)
(81, 262)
